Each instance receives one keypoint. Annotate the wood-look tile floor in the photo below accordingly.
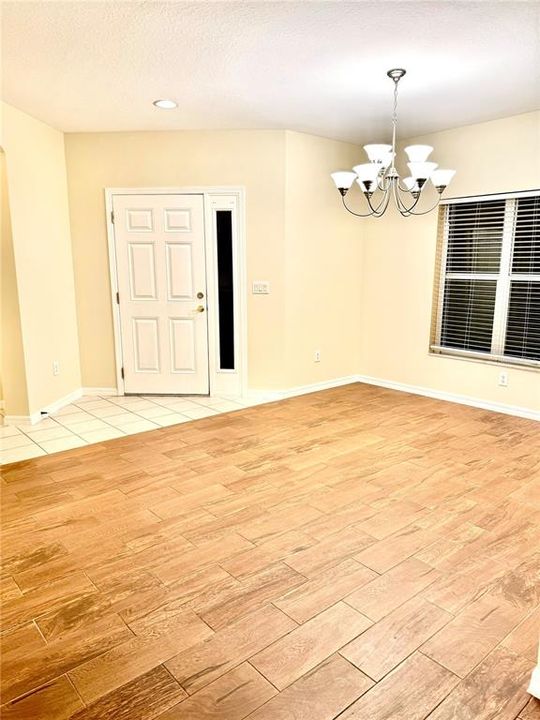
(354, 553)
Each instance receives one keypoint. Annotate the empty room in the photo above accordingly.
(270, 354)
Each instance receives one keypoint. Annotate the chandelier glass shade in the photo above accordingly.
(379, 180)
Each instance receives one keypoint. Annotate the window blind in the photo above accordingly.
(487, 289)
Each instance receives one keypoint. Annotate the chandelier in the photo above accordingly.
(379, 180)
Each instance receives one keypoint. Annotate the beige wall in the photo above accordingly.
(323, 248)
(357, 290)
(14, 392)
(42, 254)
(399, 259)
(259, 161)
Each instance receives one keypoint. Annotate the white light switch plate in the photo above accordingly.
(260, 287)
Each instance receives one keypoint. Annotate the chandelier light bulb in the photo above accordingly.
(379, 180)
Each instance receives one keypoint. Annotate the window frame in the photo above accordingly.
(503, 279)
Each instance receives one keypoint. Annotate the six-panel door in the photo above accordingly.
(160, 257)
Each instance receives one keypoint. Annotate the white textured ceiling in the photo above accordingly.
(317, 67)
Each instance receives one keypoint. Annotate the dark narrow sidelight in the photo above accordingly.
(225, 288)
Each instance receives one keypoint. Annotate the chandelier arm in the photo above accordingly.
(425, 212)
(376, 211)
(387, 202)
(370, 214)
(402, 189)
(399, 202)
(383, 183)
(401, 205)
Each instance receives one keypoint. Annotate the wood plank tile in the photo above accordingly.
(496, 689)
(72, 563)
(387, 592)
(209, 553)
(392, 519)
(531, 711)
(384, 645)
(524, 640)
(158, 641)
(208, 660)
(31, 557)
(309, 644)
(320, 694)
(221, 606)
(23, 672)
(9, 590)
(20, 610)
(261, 556)
(313, 596)
(56, 700)
(324, 485)
(470, 637)
(144, 698)
(233, 696)
(520, 585)
(183, 504)
(330, 551)
(27, 636)
(344, 517)
(276, 522)
(453, 591)
(385, 554)
(410, 692)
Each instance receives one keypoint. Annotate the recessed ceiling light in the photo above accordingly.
(165, 104)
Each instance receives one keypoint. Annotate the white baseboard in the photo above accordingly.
(22, 419)
(63, 401)
(57, 405)
(301, 389)
(40, 414)
(451, 397)
(99, 391)
(273, 395)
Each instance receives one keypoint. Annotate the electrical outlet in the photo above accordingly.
(503, 379)
(56, 367)
(317, 356)
(260, 287)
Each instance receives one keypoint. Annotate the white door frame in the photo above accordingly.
(223, 382)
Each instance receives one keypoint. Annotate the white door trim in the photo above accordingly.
(221, 381)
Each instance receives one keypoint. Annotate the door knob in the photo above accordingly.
(200, 308)
(200, 295)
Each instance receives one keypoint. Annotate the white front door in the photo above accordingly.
(160, 257)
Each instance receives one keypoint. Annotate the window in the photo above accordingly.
(487, 291)
(225, 288)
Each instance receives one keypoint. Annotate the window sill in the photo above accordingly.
(486, 360)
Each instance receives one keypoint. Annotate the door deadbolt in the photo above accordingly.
(200, 295)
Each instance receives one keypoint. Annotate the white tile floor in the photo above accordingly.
(93, 419)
